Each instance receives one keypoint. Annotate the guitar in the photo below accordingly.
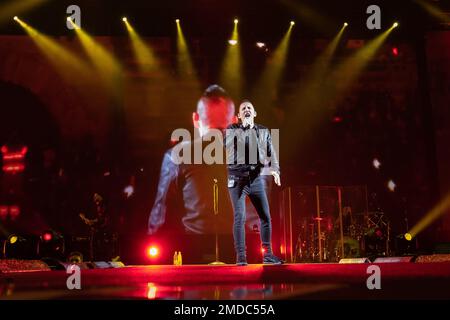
(90, 222)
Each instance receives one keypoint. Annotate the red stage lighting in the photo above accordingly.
(263, 250)
(153, 251)
(395, 51)
(14, 212)
(13, 162)
(337, 119)
(47, 236)
(3, 212)
(14, 168)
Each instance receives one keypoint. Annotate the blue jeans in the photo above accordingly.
(254, 188)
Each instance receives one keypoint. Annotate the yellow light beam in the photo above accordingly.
(231, 73)
(325, 58)
(105, 63)
(440, 209)
(67, 64)
(434, 11)
(320, 68)
(271, 76)
(318, 71)
(143, 53)
(347, 72)
(310, 16)
(15, 7)
(184, 59)
(323, 88)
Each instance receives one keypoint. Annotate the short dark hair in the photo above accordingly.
(215, 91)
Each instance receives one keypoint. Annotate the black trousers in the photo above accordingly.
(254, 187)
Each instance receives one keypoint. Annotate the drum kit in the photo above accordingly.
(327, 238)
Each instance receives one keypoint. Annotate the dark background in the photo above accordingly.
(397, 110)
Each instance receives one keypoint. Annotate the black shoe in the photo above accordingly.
(241, 261)
(272, 259)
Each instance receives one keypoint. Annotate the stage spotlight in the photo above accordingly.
(260, 44)
(263, 251)
(308, 14)
(333, 85)
(124, 19)
(50, 235)
(273, 70)
(185, 64)
(14, 7)
(153, 251)
(19, 247)
(143, 52)
(67, 64)
(177, 20)
(337, 119)
(236, 21)
(317, 75)
(395, 51)
(4, 210)
(434, 10)
(440, 209)
(16, 18)
(69, 19)
(107, 65)
(231, 74)
(345, 24)
(47, 236)
(408, 236)
(395, 25)
(12, 239)
(51, 244)
(128, 190)
(391, 185)
(376, 163)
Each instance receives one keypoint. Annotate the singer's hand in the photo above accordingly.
(276, 178)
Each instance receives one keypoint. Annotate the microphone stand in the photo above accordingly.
(216, 212)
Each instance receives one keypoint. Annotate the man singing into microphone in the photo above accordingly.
(249, 149)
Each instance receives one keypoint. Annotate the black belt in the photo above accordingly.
(254, 171)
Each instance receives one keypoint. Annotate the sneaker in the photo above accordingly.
(272, 259)
(241, 261)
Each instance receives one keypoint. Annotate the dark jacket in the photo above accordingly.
(261, 138)
(184, 199)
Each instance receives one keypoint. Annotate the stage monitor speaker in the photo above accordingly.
(354, 260)
(96, 265)
(395, 259)
(117, 264)
(82, 265)
(13, 265)
(101, 265)
(108, 265)
(433, 258)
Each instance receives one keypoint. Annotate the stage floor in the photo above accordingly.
(289, 281)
